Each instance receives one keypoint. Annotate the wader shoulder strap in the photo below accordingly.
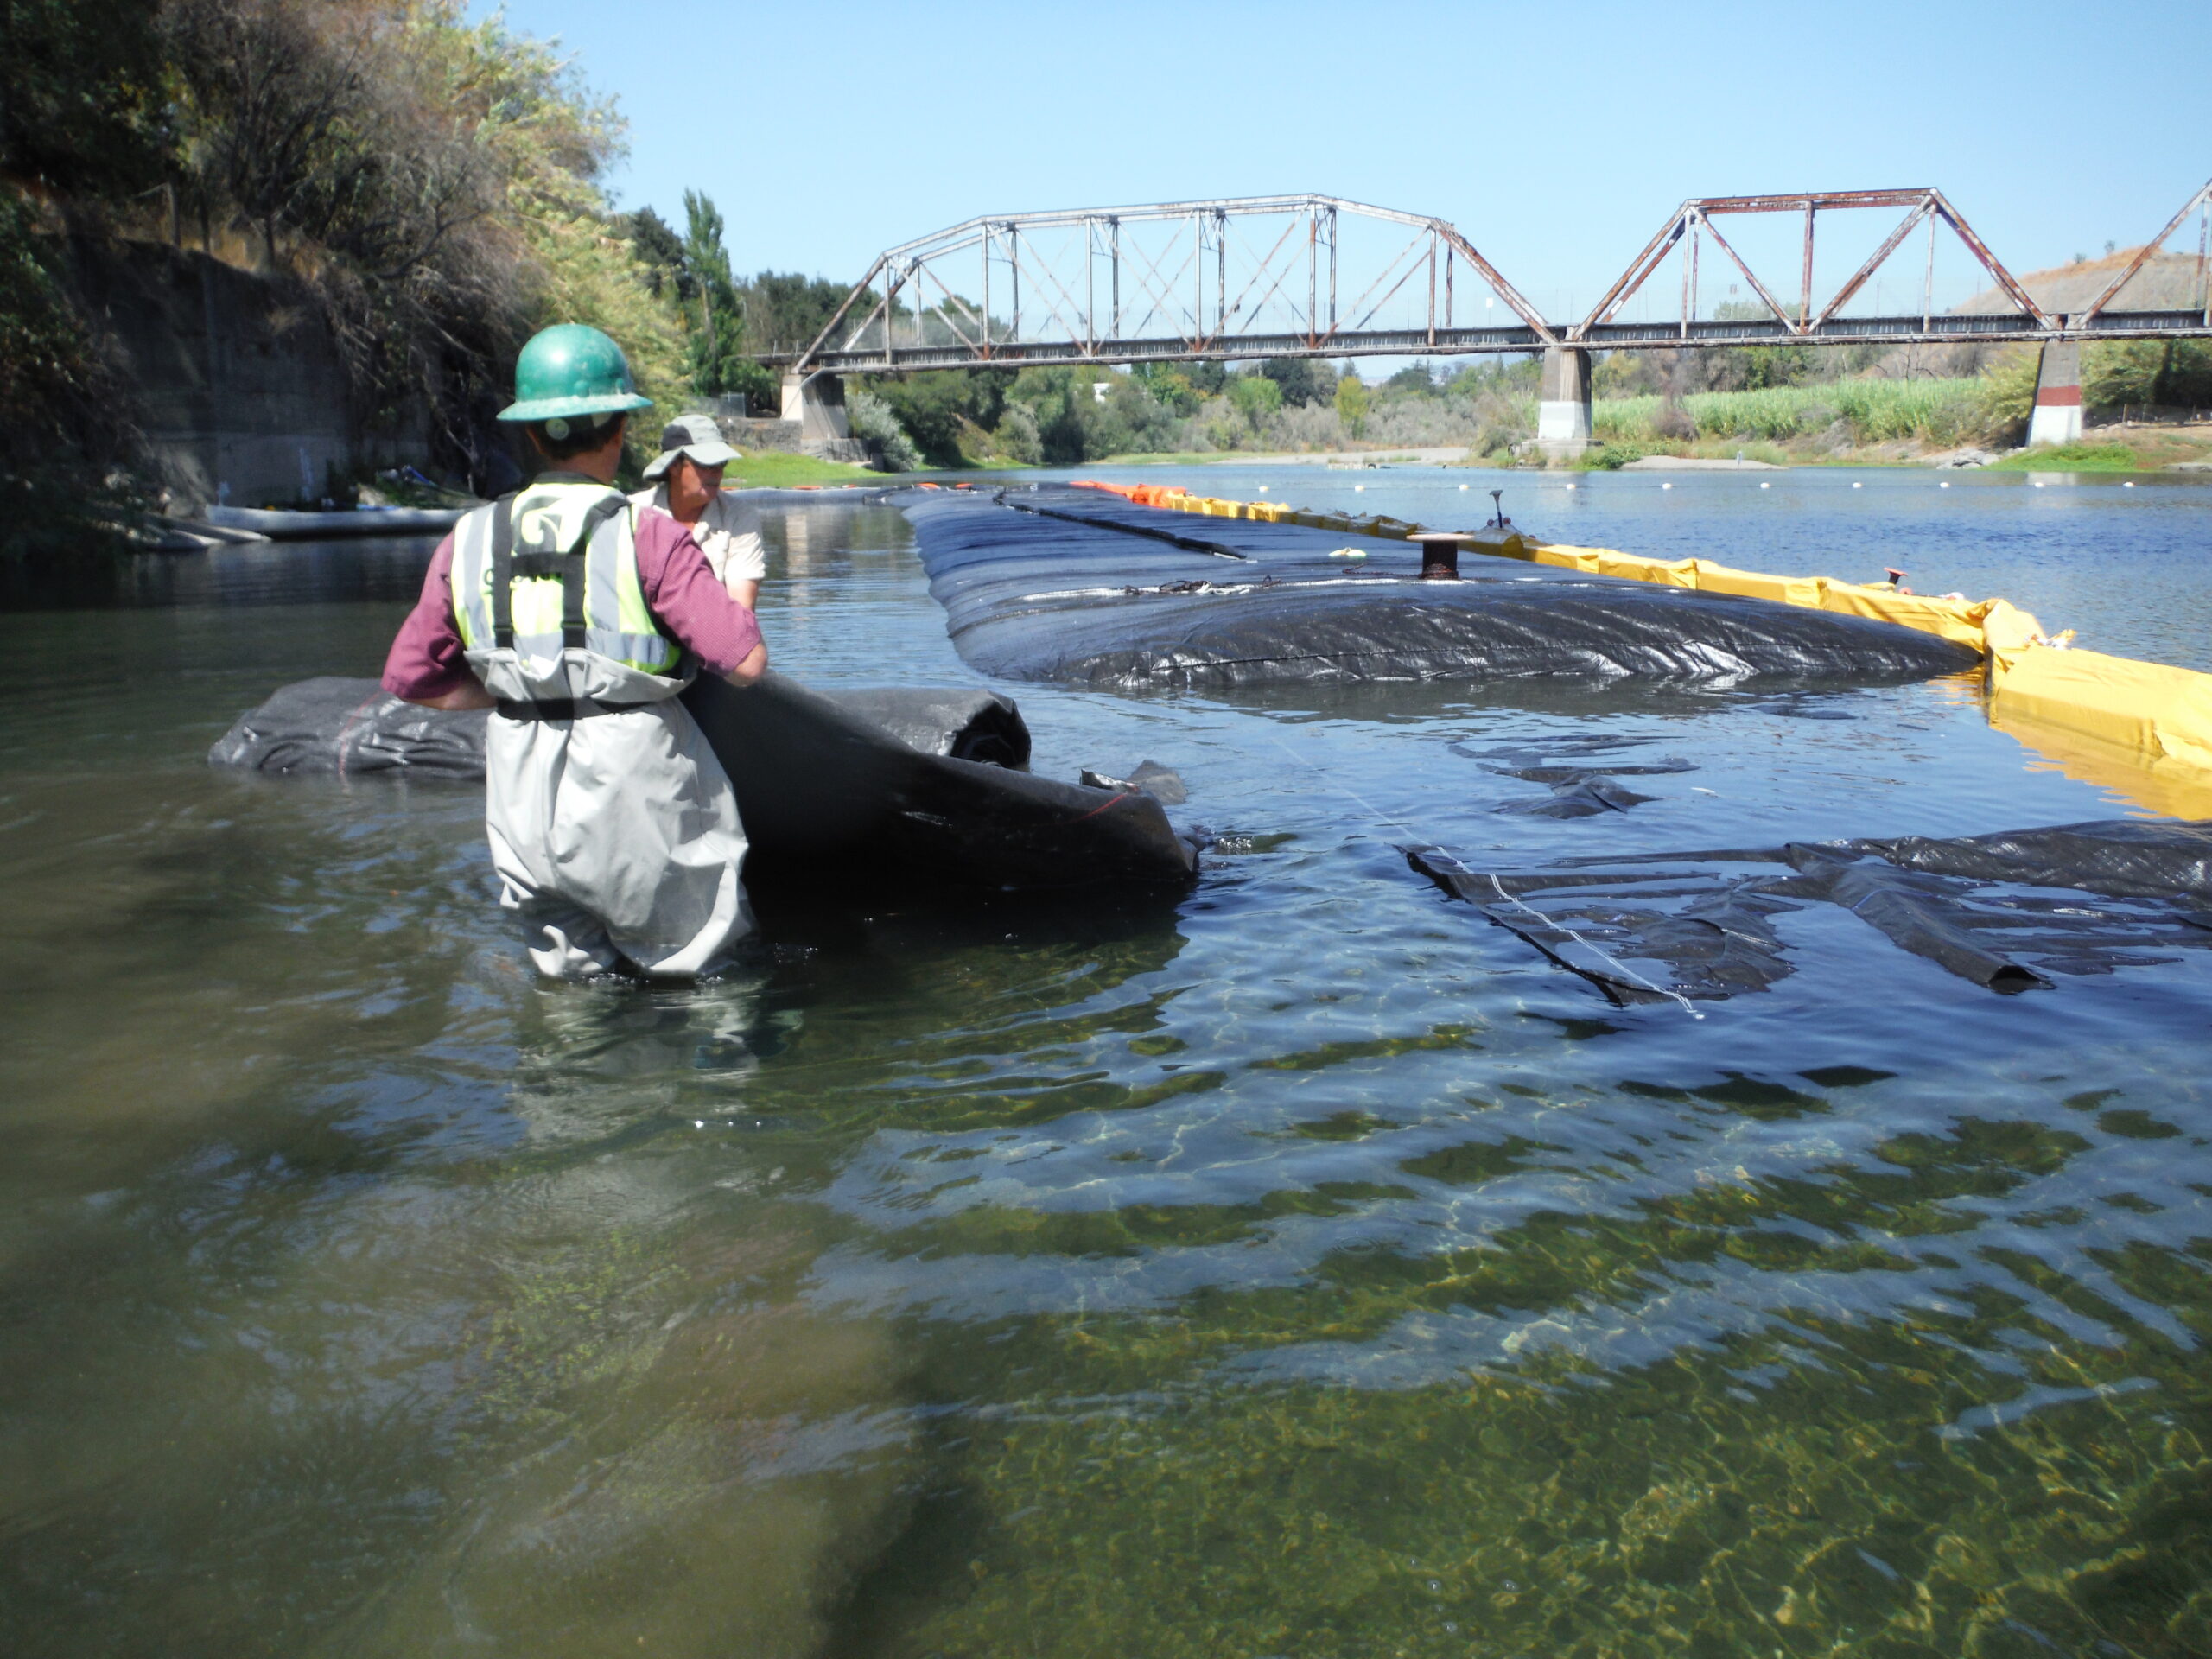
(569, 566)
(503, 570)
(573, 584)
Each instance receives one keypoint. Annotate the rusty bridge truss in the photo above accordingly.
(1260, 277)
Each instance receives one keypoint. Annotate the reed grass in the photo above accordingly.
(1875, 411)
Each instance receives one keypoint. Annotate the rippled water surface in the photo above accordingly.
(1297, 1267)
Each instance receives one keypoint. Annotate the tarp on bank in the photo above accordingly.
(2005, 911)
(918, 784)
(1071, 585)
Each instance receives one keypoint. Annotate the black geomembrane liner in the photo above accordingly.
(2004, 911)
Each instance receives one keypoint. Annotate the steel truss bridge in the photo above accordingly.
(1310, 276)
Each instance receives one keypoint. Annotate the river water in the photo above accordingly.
(1300, 1266)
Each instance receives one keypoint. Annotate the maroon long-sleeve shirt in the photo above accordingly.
(690, 605)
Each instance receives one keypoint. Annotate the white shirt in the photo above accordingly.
(729, 533)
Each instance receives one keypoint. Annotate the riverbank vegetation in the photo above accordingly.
(1804, 405)
(430, 188)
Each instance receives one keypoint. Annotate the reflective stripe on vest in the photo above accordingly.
(547, 520)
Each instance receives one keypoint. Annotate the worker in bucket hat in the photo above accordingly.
(686, 479)
(577, 620)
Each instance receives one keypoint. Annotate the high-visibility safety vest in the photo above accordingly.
(613, 829)
(553, 568)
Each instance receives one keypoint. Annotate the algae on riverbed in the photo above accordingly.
(1993, 1472)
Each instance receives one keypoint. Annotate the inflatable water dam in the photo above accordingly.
(902, 783)
(1077, 585)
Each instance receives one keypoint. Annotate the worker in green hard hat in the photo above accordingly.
(577, 620)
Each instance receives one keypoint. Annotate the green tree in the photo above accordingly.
(1351, 402)
(84, 97)
(1492, 376)
(1137, 422)
(1016, 436)
(939, 409)
(2169, 372)
(873, 419)
(784, 311)
(1255, 396)
(1063, 415)
(1056, 400)
(434, 181)
(1750, 368)
(1304, 380)
(1416, 380)
(660, 251)
(2007, 392)
(1169, 386)
(717, 348)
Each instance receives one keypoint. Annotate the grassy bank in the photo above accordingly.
(767, 469)
(2073, 458)
(2129, 448)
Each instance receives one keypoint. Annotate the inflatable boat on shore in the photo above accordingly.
(282, 524)
(287, 524)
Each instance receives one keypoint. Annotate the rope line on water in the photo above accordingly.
(1376, 812)
(1611, 962)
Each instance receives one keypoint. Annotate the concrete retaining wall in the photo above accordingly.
(239, 390)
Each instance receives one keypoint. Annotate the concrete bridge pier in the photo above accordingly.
(2057, 416)
(1563, 403)
(816, 402)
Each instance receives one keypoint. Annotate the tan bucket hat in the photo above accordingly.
(696, 436)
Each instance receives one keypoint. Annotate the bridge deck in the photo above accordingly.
(1941, 330)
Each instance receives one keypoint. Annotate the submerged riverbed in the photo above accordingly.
(1299, 1266)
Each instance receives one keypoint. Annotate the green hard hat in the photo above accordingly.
(571, 369)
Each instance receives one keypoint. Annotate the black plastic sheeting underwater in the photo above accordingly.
(1081, 587)
(346, 727)
(2004, 911)
(894, 783)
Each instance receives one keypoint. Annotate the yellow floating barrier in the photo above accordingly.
(2053, 713)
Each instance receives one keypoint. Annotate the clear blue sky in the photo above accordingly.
(1556, 136)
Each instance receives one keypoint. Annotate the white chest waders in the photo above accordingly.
(613, 826)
